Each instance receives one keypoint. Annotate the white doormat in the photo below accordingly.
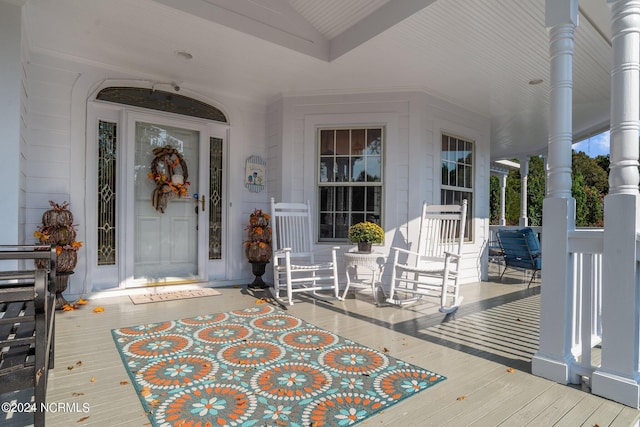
(173, 295)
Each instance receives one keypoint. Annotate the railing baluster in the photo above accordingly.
(587, 247)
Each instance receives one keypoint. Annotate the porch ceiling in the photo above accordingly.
(478, 54)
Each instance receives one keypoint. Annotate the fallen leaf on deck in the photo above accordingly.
(260, 301)
(98, 309)
(93, 379)
(67, 307)
(124, 382)
(83, 419)
(79, 363)
(82, 301)
(75, 394)
(461, 398)
(69, 367)
(511, 370)
(236, 286)
(146, 391)
(385, 349)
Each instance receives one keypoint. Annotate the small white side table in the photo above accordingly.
(373, 261)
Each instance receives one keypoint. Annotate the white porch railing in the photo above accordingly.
(586, 247)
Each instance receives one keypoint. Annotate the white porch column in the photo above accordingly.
(617, 377)
(503, 198)
(524, 178)
(553, 359)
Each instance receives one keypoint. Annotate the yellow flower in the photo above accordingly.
(366, 232)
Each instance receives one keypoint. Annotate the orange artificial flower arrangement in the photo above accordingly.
(258, 245)
(58, 229)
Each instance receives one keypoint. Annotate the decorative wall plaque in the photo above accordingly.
(255, 174)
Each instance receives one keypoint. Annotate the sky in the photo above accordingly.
(595, 145)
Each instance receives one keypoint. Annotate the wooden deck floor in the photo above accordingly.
(495, 329)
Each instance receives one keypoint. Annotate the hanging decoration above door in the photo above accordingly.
(255, 171)
(169, 173)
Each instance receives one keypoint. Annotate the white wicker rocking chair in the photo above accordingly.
(294, 266)
(432, 269)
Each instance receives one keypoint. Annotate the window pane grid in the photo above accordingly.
(107, 141)
(215, 198)
(349, 179)
(457, 175)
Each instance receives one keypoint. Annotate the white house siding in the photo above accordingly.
(283, 133)
(413, 122)
(274, 156)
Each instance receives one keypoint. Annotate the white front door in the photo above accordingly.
(167, 218)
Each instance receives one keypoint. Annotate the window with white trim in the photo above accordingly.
(457, 175)
(350, 179)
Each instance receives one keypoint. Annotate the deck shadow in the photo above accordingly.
(503, 329)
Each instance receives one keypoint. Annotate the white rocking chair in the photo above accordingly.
(433, 269)
(294, 266)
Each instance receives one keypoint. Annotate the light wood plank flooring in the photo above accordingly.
(495, 329)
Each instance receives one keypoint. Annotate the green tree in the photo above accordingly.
(494, 200)
(591, 170)
(590, 184)
(580, 195)
(595, 215)
(535, 190)
(603, 161)
(512, 202)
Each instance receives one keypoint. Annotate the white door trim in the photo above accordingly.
(109, 277)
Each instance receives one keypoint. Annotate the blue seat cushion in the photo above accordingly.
(520, 246)
(532, 240)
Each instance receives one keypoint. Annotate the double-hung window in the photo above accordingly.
(457, 175)
(350, 179)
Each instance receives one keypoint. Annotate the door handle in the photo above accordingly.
(202, 202)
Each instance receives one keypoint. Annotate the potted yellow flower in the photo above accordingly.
(364, 234)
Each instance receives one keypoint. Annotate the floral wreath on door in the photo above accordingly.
(169, 173)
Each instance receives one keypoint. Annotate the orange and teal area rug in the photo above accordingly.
(260, 367)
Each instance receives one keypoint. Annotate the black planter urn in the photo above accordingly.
(62, 281)
(258, 269)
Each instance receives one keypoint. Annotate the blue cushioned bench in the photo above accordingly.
(520, 249)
